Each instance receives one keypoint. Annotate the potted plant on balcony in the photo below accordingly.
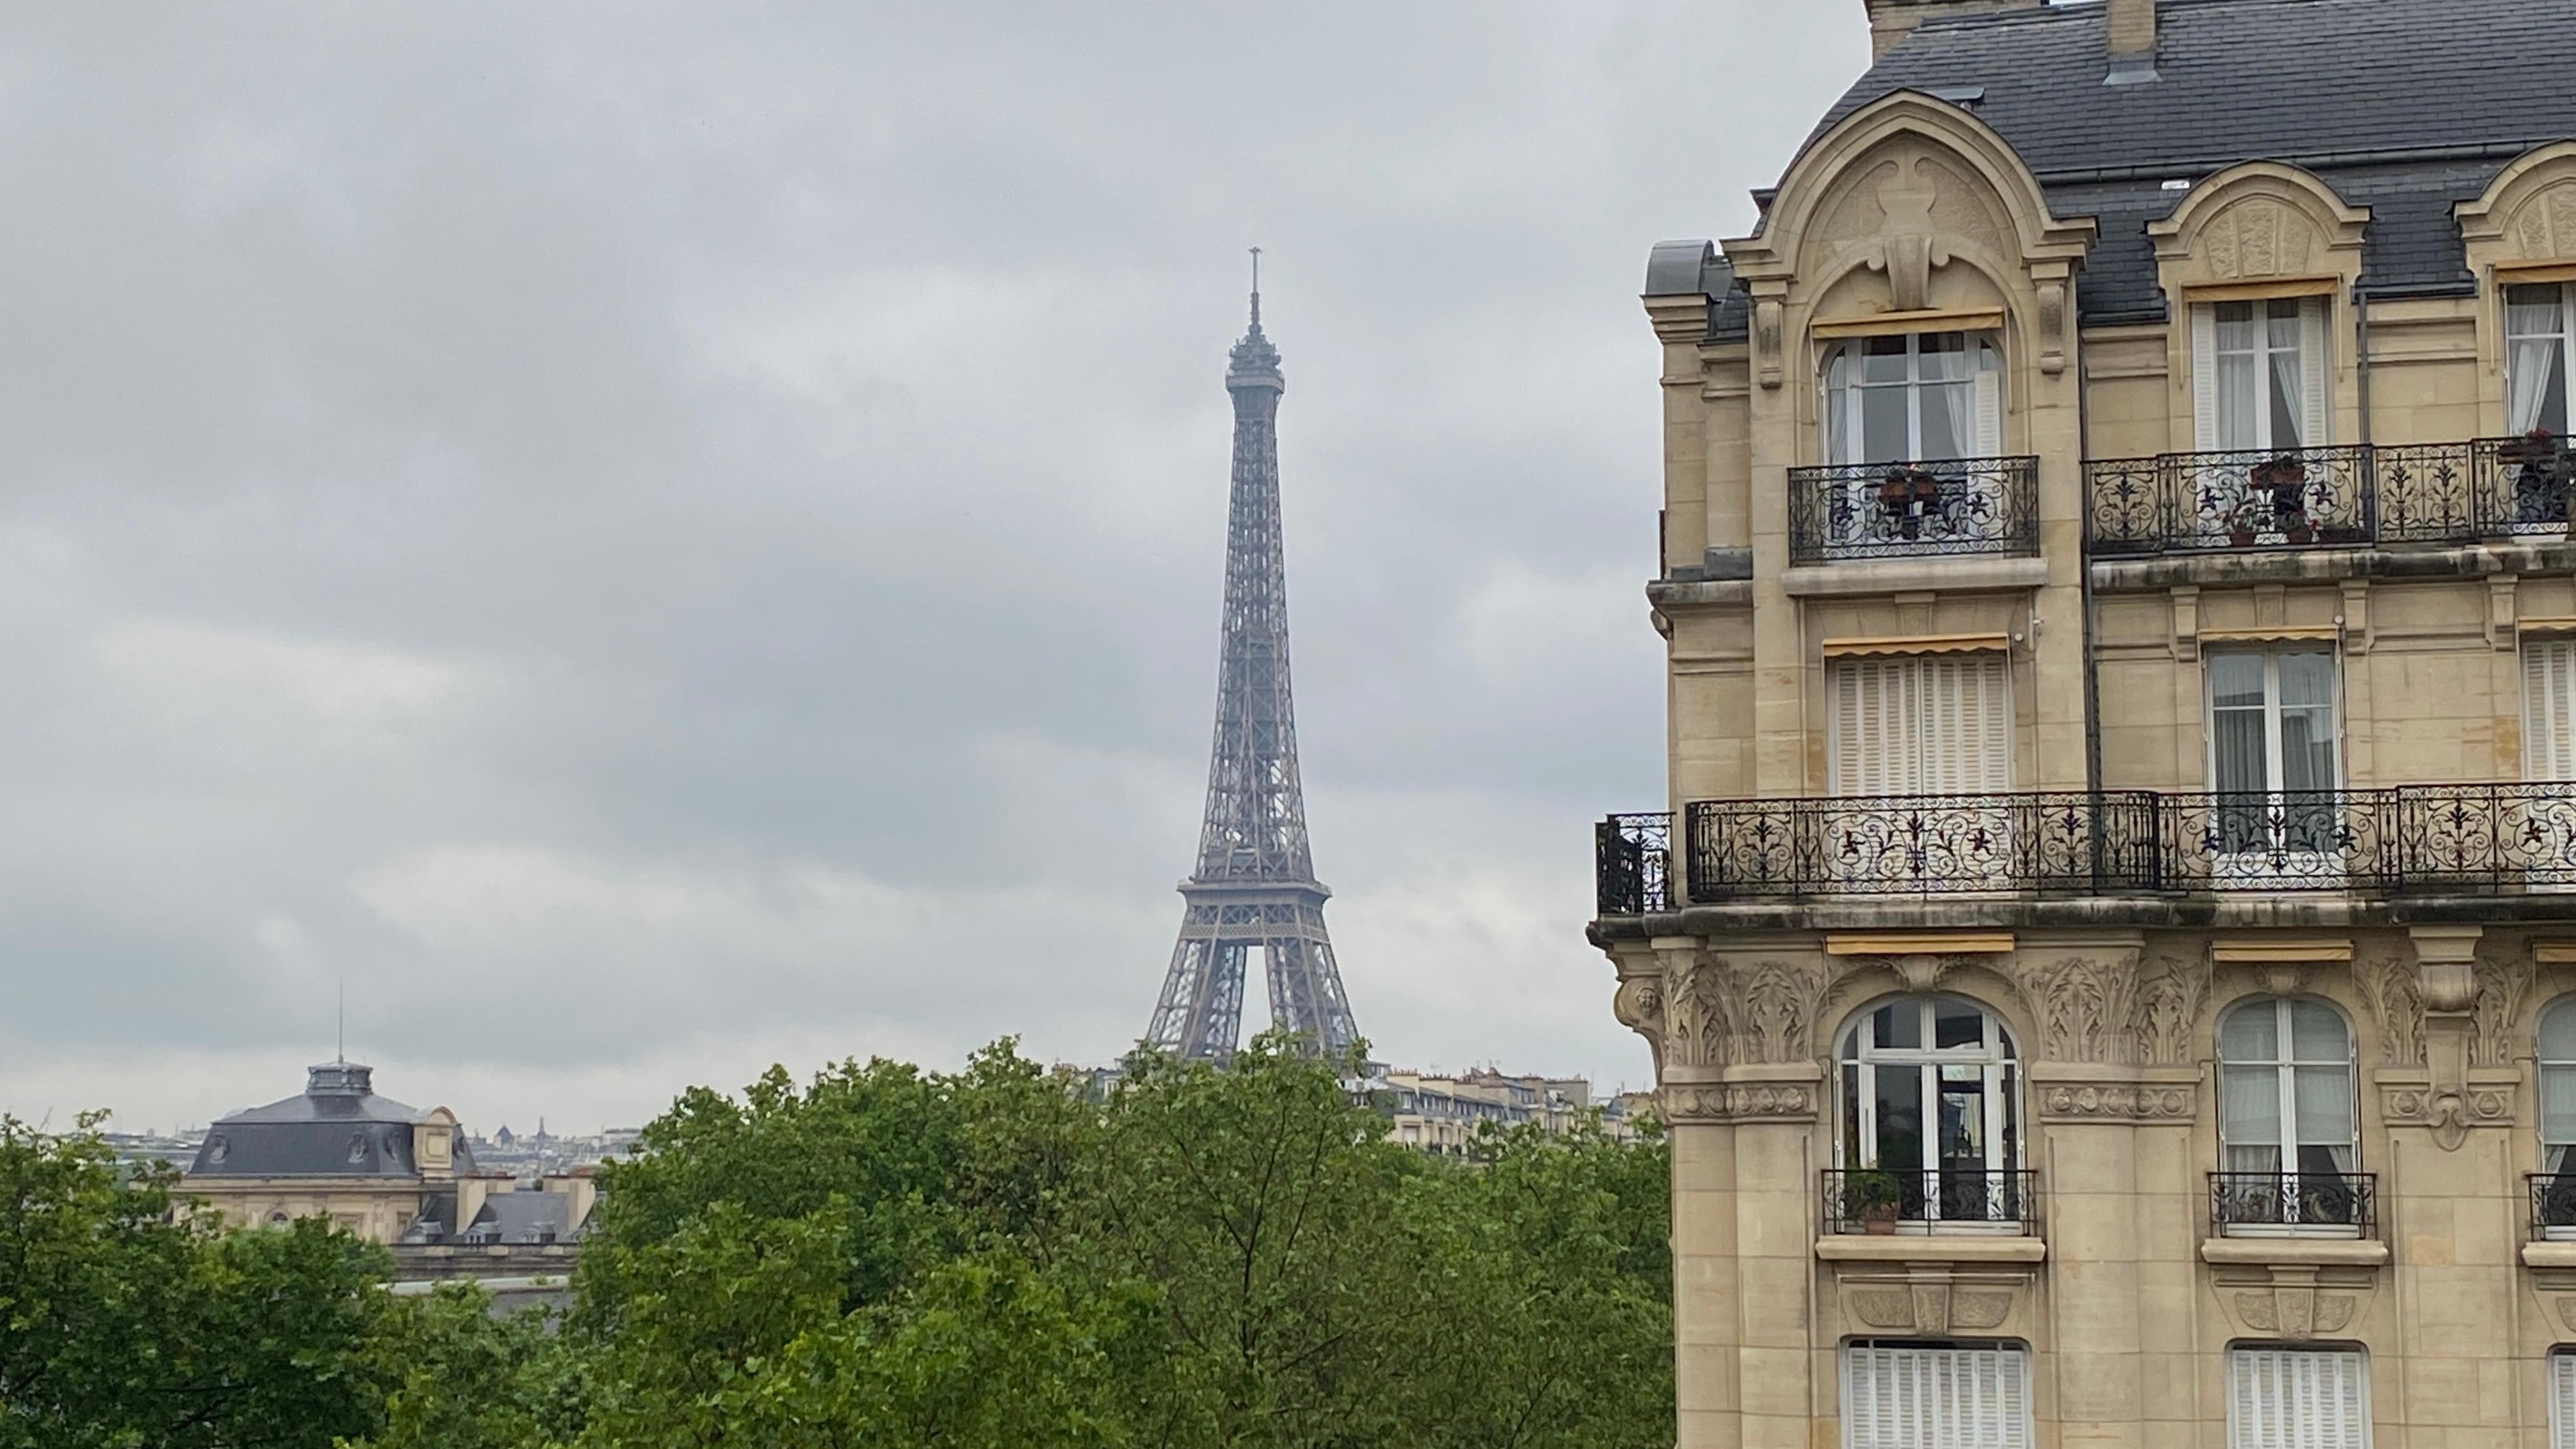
(2283, 481)
(1907, 493)
(1876, 1199)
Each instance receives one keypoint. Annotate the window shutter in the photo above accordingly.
(2316, 376)
(2548, 699)
(1932, 1397)
(1845, 771)
(2562, 1401)
(2204, 378)
(1990, 412)
(1920, 726)
(2297, 1399)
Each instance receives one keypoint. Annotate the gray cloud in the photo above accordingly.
(649, 540)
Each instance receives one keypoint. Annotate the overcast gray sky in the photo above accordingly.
(652, 540)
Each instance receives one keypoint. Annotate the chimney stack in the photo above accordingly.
(1892, 20)
(2132, 28)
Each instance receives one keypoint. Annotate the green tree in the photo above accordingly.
(129, 1319)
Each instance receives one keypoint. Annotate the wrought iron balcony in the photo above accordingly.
(2553, 1205)
(1881, 1200)
(2421, 840)
(2336, 1204)
(1907, 510)
(2338, 497)
(1632, 864)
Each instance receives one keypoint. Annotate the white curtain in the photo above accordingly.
(2289, 407)
(1838, 406)
(2238, 392)
(2250, 1117)
(1956, 398)
(2536, 358)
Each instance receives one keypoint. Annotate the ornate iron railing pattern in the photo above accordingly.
(2553, 1204)
(1632, 864)
(1905, 510)
(1920, 844)
(2480, 839)
(1881, 1200)
(2335, 497)
(2333, 1201)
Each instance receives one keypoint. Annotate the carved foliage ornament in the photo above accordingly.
(2111, 1008)
(1740, 1102)
(2392, 988)
(2545, 228)
(1716, 1012)
(2258, 237)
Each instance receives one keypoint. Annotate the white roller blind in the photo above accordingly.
(1921, 726)
(1936, 1398)
(2204, 378)
(2562, 1401)
(2316, 378)
(2280, 1398)
(2549, 709)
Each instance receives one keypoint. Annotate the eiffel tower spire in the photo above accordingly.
(1255, 882)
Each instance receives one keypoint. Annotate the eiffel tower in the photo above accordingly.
(1255, 883)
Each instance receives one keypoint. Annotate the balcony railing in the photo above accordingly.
(1632, 864)
(1880, 1200)
(2425, 840)
(2553, 1205)
(1907, 510)
(2335, 1204)
(2338, 497)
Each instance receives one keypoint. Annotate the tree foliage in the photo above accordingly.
(883, 1257)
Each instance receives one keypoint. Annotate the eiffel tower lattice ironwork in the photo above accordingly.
(1255, 883)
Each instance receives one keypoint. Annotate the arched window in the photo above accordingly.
(2557, 1053)
(1930, 1110)
(1919, 397)
(2286, 1124)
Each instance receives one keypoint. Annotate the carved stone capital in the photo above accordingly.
(2067, 1092)
(1789, 1092)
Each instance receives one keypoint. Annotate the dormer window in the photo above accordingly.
(1918, 397)
(2540, 338)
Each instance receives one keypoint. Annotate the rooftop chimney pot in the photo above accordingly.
(2132, 28)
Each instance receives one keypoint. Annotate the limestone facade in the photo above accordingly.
(2073, 979)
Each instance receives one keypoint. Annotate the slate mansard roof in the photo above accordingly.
(338, 1127)
(2405, 107)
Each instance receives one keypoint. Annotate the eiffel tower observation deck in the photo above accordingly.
(1255, 885)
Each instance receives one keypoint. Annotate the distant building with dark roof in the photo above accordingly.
(382, 1170)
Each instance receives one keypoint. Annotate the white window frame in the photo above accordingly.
(2252, 862)
(1984, 380)
(2316, 377)
(1993, 678)
(2562, 1398)
(2548, 709)
(2317, 1371)
(2564, 336)
(2549, 1068)
(2285, 1067)
(1919, 1422)
(1999, 1090)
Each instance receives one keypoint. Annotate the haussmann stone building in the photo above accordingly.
(2111, 954)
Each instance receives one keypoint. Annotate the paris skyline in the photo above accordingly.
(641, 595)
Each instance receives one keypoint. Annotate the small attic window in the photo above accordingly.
(2178, 183)
(357, 1149)
(1958, 95)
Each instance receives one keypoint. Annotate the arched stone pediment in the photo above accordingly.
(2259, 222)
(2527, 214)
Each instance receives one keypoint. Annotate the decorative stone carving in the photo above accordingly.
(2545, 228)
(2450, 1114)
(2503, 984)
(2117, 1102)
(2388, 986)
(2171, 995)
(1907, 247)
(1779, 1003)
(1740, 1102)
(1699, 1023)
(1766, 340)
(2567, 1313)
(1931, 1308)
(2087, 1008)
(1979, 1310)
(2052, 328)
(2294, 1313)
(1884, 1307)
(2258, 237)
(1640, 1008)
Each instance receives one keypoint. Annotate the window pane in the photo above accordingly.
(2235, 326)
(1957, 1024)
(1883, 430)
(1883, 359)
(2236, 680)
(2558, 1104)
(1851, 1043)
(2237, 401)
(2252, 1034)
(2558, 1033)
(2307, 749)
(2324, 1101)
(1900, 1024)
(2238, 752)
(2251, 1106)
(1943, 355)
(1900, 1118)
(1852, 1156)
(1963, 1115)
(2317, 1034)
(2307, 679)
(1948, 420)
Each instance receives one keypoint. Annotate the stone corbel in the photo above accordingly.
(2446, 980)
(2053, 312)
(2356, 616)
(2186, 621)
(1770, 310)
(2501, 613)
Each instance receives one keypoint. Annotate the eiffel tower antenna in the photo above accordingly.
(1255, 883)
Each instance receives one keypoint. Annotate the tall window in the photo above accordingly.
(1921, 397)
(2549, 709)
(2272, 756)
(1929, 1100)
(1918, 725)
(1936, 1396)
(2286, 1125)
(2540, 340)
(2291, 1398)
(2562, 1400)
(2556, 1045)
(2259, 369)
